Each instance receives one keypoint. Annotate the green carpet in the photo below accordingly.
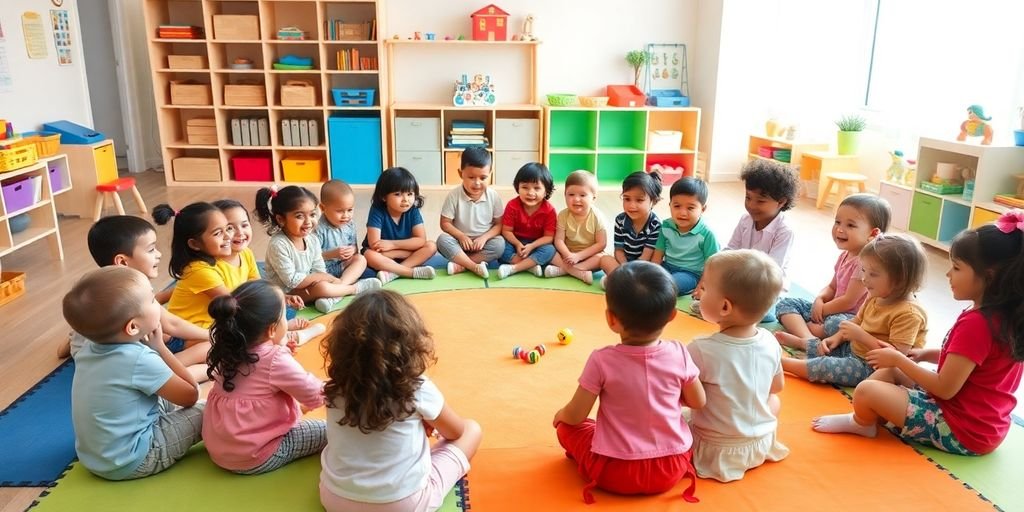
(443, 282)
(528, 280)
(195, 483)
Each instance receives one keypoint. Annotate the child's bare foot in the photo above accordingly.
(790, 340)
(296, 324)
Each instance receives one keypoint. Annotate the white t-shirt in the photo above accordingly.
(380, 467)
(737, 374)
(473, 218)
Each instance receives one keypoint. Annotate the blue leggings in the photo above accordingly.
(802, 307)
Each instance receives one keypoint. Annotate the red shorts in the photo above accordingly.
(620, 476)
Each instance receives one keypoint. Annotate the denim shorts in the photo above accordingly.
(541, 255)
(175, 344)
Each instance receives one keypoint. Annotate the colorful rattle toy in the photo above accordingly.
(565, 336)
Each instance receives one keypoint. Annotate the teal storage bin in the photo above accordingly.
(355, 149)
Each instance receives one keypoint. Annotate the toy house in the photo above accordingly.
(490, 24)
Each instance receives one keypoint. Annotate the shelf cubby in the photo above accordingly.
(622, 130)
(572, 130)
(562, 164)
(222, 55)
(175, 12)
(612, 168)
(280, 14)
(274, 52)
(674, 120)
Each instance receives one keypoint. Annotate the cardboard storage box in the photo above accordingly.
(236, 26)
(189, 168)
(201, 130)
(187, 62)
(190, 93)
(245, 95)
(298, 93)
(302, 169)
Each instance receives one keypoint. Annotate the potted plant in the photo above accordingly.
(850, 127)
(638, 59)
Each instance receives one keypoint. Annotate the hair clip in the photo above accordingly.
(1010, 221)
(273, 191)
(177, 212)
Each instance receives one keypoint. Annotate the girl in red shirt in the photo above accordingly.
(964, 408)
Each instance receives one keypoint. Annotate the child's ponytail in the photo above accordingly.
(271, 202)
(996, 253)
(189, 223)
(240, 321)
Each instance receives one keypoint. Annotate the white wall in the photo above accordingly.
(583, 50)
(43, 91)
(704, 73)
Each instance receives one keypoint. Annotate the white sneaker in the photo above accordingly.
(423, 273)
(325, 304)
(482, 270)
(604, 281)
(386, 277)
(553, 271)
(370, 283)
(455, 268)
(301, 337)
(504, 271)
(537, 270)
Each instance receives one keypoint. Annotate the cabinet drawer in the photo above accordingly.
(424, 165)
(106, 163)
(417, 134)
(507, 164)
(516, 134)
(982, 217)
(924, 215)
(900, 199)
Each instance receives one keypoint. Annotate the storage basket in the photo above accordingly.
(562, 100)
(18, 157)
(353, 97)
(594, 101)
(942, 188)
(298, 93)
(626, 96)
(252, 168)
(664, 141)
(18, 194)
(245, 95)
(47, 144)
(302, 169)
(12, 286)
(668, 98)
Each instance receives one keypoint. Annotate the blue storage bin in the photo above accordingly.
(355, 148)
(668, 98)
(71, 133)
(353, 97)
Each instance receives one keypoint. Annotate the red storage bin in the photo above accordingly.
(252, 168)
(626, 96)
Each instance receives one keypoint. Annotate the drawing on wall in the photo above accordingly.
(61, 35)
(35, 34)
(6, 81)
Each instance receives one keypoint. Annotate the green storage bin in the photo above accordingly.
(924, 215)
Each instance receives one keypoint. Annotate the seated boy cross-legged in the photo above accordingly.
(471, 218)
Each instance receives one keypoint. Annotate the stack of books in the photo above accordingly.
(467, 134)
(1009, 200)
(179, 32)
(349, 60)
(337, 29)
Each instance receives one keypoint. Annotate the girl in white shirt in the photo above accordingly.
(381, 409)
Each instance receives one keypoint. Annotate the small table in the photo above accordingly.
(815, 165)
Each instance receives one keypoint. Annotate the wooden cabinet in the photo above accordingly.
(900, 199)
(93, 164)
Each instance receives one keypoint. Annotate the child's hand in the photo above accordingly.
(829, 344)
(523, 250)
(294, 301)
(385, 246)
(154, 339)
(851, 331)
(478, 244)
(887, 357)
(344, 253)
(572, 258)
(429, 429)
(296, 324)
(818, 311)
(466, 243)
(293, 346)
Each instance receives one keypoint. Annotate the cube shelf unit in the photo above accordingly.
(420, 130)
(808, 174)
(259, 43)
(612, 142)
(936, 218)
(50, 173)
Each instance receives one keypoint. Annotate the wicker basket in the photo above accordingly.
(12, 286)
(562, 100)
(594, 101)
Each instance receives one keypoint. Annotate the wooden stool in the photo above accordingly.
(842, 181)
(110, 190)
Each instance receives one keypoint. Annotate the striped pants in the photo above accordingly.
(306, 438)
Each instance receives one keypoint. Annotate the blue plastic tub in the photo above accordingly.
(1018, 137)
(667, 98)
(353, 97)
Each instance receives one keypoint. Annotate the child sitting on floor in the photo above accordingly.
(337, 232)
(253, 419)
(739, 367)
(381, 409)
(581, 235)
(685, 242)
(965, 407)
(640, 443)
(528, 223)
(893, 269)
(471, 218)
(859, 218)
(637, 228)
(127, 387)
(129, 241)
(396, 242)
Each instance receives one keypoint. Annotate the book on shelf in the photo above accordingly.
(338, 30)
(1009, 200)
(351, 60)
(179, 32)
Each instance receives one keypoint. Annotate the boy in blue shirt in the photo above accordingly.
(127, 387)
(685, 242)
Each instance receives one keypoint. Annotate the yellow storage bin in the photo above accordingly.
(303, 169)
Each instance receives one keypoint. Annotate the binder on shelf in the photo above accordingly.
(314, 134)
(264, 132)
(303, 132)
(294, 126)
(245, 132)
(236, 132)
(286, 133)
(254, 132)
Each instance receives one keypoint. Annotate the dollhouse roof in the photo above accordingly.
(490, 10)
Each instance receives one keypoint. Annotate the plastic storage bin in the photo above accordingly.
(12, 286)
(56, 179)
(302, 169)
(18, 194)
(353, 97)
(71, 133)
(626, 96)
(252, 168)
(668, 98)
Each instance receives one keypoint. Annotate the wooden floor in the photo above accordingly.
(32, 327)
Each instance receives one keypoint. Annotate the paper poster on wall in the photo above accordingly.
(35, 34)
(6, 81)
(61, 35)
